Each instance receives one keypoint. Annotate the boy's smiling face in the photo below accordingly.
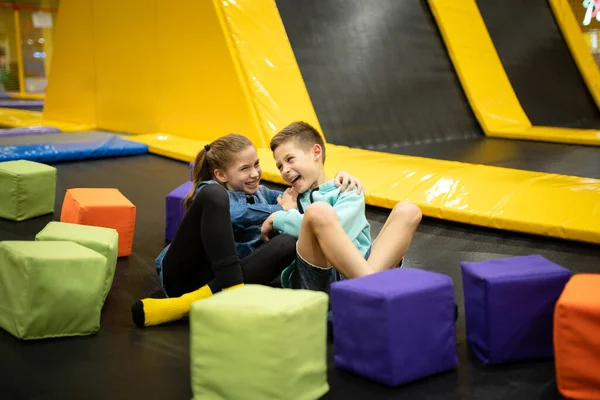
(300, 167)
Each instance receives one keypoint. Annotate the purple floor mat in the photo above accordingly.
(21, 103)
(32, 130)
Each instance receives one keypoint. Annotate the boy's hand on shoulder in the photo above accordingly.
(288, 200)
(347, 181)
(267, 227)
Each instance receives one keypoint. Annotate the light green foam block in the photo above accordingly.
(50, 289)
(103, 240)
(28, 189)
(258, 342)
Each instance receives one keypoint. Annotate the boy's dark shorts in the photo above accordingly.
(304, 275)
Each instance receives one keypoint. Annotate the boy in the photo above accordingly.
(334, 240)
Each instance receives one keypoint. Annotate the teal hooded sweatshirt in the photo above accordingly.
(348, 205)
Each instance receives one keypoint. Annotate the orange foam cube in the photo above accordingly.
(106, 208)
(577, 338)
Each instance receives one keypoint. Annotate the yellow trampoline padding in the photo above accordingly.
(579, 50)
(552, 205)
(177, 147)
(550, 134)
(14, 118)
(485, 81)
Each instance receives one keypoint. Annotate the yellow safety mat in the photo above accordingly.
(502, 198)
(550, 134)
(14, 118)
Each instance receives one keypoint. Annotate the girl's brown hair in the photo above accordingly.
(216, 155)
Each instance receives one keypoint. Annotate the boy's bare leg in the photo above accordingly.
(323, 239)
(395, 236)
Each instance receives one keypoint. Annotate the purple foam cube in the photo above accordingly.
(395, 326)
(175, 209)
(509, 307)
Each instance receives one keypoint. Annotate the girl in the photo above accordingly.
(206, 254)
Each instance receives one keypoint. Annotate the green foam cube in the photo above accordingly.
(103, 240)
(28, 189)
(50, 289)
(258, 342)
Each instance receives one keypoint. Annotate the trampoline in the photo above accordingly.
(380, 78)
(122, 361)
(539, 64)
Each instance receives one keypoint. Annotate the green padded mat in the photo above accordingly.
(50, 289)
(103, 240)
(28, 189)
(258, 342)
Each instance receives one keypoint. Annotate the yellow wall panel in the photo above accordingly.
(278, 93)
(201, 92)
(126, 58)
(71, 92)
(198, 69)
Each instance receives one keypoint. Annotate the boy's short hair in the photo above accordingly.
(303, 133)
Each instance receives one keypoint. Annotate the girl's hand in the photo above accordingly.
(267, 227)
(347, 181)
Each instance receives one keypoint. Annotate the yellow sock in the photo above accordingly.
(149, 312)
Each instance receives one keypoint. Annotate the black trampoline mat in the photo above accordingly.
(539, 64)
(377, 72)
(379, 77)
(124, 362)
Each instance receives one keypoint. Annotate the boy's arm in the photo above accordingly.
(288, 222)
(349, 206)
